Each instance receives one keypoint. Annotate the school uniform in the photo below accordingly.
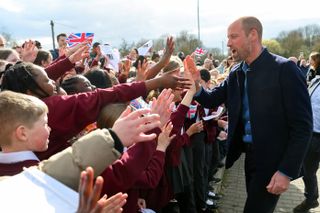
(70, 114)
(96, 149)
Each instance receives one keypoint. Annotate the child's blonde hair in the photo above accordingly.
(18, 109)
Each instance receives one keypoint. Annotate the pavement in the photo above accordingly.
(233, 190)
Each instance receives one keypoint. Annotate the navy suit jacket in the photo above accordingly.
(280, 113)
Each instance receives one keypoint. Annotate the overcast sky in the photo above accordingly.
(112, 20)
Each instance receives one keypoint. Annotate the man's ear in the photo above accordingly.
(253, 34)
(21, 133)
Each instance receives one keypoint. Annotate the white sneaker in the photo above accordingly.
(211, 194)
(209, 202)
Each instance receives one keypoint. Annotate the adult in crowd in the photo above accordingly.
(314, 70)
(312, 159)
(62, 44)
(304, 67)
(270, 117)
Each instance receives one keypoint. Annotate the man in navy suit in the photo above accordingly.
(270, 116)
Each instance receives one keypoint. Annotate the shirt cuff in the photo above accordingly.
(199, 92)
(290, 178)
(117, 142)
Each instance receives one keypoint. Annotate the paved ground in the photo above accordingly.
(234, 194)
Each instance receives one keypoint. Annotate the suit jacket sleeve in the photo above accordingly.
(298, 111)
(213, 98)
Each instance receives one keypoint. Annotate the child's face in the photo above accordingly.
(38, 135)
(84, 85)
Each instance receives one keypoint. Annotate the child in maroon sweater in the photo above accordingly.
(141, 166)
(160, 196)
(70, 114)
(25, 130)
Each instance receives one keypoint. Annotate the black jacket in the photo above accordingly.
(280, 113)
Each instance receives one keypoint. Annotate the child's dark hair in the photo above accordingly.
(72, 85)
(20, 78)
(99, 78)
(41, 56)
(205, 75)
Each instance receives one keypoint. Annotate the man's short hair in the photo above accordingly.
(251, 22)
(61, 35)
(18, 109)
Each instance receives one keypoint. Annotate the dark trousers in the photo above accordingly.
(223, 148)
(201, 160)
(215, 159)
(186, 199)
(310, 167)
(259, 200)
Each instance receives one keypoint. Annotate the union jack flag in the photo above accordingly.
(76, 38)
(200, 51)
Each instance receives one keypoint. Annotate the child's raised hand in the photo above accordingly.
(174, 82)
(168, 50)
(79, 54)
(190, 66)
(188, 75)
(164, 138)
(163, 105)
(131, 126)
(126, 66)
(29, 51)
(70, 50)
(142, 71)
(89, 196)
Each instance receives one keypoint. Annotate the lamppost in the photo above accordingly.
(198, 20)
(52, 34)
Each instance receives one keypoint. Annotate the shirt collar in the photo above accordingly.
(14, 157)
(245, 67)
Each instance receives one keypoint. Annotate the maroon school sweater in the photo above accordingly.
(70, 114)
(59, 67)
(210, 126)
(148, 179)
(10, 169)
(124, 172)
(158, 197)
